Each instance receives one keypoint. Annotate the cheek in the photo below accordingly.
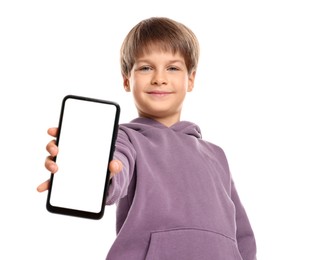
(134, 82)
(136, 92)
(187, 85)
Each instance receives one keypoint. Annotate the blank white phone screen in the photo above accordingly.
(84, 149)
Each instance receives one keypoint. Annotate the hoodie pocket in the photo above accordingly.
(191, 244)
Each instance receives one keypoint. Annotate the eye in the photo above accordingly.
(145, 68)
(173, 68)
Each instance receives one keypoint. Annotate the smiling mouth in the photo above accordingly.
(159, 93)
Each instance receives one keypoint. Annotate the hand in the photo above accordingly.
(49, 164)
(115, 166)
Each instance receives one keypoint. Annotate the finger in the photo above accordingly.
(50, 165)
(53, 131)
(115, 167)
(52, 148)
(43, 186)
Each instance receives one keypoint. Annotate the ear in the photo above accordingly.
(126, 84)
(191, 81)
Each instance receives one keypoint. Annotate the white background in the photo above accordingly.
(256, 95)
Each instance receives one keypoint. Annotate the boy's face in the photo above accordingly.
(159, 82)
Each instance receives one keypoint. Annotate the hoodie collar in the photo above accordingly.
(184, 127)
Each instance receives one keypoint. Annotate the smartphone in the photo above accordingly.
(86, 141)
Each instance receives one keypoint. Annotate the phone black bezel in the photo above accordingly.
(81, 213)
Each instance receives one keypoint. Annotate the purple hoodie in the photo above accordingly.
(175, 197)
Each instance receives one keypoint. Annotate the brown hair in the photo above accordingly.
(166, 34)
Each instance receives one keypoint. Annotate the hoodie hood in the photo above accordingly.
(142, 124)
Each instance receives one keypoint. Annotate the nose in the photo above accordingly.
(159, 78)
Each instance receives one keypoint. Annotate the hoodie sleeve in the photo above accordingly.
(124, 152)
(245, 236)
(244, 233)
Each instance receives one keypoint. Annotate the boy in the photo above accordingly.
(174, 192)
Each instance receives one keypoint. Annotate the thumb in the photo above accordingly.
(115, 167)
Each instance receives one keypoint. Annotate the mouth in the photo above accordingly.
(159, 93)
